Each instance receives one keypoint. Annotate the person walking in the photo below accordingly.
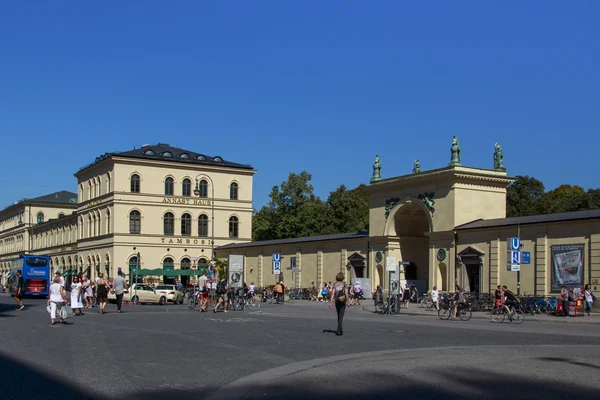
(589, 298)
(203, 291)
(102, 292)
(222, 295)
(20, 290)
(76, 292)
(120, 288)
(339, 293)
(89, 294)
(58, 297)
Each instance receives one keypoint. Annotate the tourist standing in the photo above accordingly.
(102, 292)
(88, 293)
(120, 288)
(339, 293)
(203, 291)
(435, 298)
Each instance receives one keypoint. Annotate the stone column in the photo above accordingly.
(494, 263)
(319, 281)
(298, 275)
(343, 260)
(594, 263)
(260, 270)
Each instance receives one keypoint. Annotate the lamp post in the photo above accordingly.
(212, 229)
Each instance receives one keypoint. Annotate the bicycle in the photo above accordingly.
(392, 306)
(447, 310)
(252, 303)
(515, 316)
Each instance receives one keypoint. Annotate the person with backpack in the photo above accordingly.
(340, 296)
(222, 295)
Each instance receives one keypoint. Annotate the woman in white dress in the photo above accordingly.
(58, 297)
(88, 293)
(76, 293)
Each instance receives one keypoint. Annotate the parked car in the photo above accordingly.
(173, 295)
(141, 294)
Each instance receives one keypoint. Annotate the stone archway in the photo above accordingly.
(410, 221)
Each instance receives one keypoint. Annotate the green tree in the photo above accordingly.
(566, 198)
(349, 209)
(221, 268)
(524, 197)
(593, 198)
(293, 211)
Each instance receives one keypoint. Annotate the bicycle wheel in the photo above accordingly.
(252, 304)
(465, 314)
(191, 303)
(444, 313)
(518, 317)
(497, 316)
(380, 308)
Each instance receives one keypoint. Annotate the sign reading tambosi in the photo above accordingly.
(186, 200)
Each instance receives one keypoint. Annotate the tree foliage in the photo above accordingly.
(295, 211)
(527, 196)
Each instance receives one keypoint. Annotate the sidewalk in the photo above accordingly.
(414, 309)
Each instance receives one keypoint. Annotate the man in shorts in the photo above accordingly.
(222, 295)
(203, 291)
(20, 290)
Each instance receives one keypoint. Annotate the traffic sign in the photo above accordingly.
(515, 257)
(514, 244)
(276, 257)
(515, 267)
(526, 257)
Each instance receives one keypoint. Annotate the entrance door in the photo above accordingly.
(474, 276)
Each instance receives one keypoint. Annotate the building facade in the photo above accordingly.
(168, 206)
(441, 227)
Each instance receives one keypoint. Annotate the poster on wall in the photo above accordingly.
(235, 271)
(567, 266)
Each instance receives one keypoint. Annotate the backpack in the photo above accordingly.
(340, 296)
(221, 288)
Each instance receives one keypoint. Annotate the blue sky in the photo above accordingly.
(289, 86)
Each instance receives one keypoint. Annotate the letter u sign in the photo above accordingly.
(515, 244)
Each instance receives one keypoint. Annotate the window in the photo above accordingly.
(217, 159)
(203, 225)
(201, 158)
(169, 224)
(186, 263)
(233, 227)
(135, 183)
(203, 188)
(233, 191)
(167, 154)
(168, 265)
(186, 187)
(40, 218)
(135, 222)
(186, 225)
(169, 182)
(149, 153)
(184, 156)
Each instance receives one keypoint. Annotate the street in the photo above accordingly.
(290, 351)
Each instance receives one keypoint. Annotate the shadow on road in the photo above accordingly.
(568, 361)
(23, 381)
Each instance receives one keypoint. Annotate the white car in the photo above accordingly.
(173, 295)
(141, 294)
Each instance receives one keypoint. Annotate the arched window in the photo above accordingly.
(203, 225)
(186, 187)
(135, 183)
(186, 263)
(233, 191)
(203, 187)
(135, 222)
(169, 182)
(234, 227)
(168, 264)
(186, 225)
(40, 218)
(169, 224)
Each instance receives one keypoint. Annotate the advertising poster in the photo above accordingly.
(567, 266)
(235, 271)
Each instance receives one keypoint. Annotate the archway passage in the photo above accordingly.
(411, 224)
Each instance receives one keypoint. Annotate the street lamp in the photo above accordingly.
(212, 229)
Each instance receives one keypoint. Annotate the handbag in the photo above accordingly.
(65, 311)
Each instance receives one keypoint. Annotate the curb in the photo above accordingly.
(477, 315)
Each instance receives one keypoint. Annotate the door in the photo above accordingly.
(474, 275)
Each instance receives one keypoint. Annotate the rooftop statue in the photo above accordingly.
(416, 167)
(376, 170)
(498, 158)
(455, 153)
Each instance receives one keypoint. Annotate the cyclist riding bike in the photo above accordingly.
(510, 300)
(459, 299)
(279, 290)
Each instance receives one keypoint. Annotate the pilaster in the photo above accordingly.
(319, 269)
(594, 270)
(541, 265)
(260, 270)
(494, 264)
(298, 275)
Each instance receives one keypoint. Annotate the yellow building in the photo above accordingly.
(441, 227)
(165, 203)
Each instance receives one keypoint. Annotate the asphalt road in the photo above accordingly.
(282, 351)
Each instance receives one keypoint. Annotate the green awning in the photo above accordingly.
(66, 273)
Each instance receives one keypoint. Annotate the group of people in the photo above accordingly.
(567, 295)
(355, 293)
(80, 291)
